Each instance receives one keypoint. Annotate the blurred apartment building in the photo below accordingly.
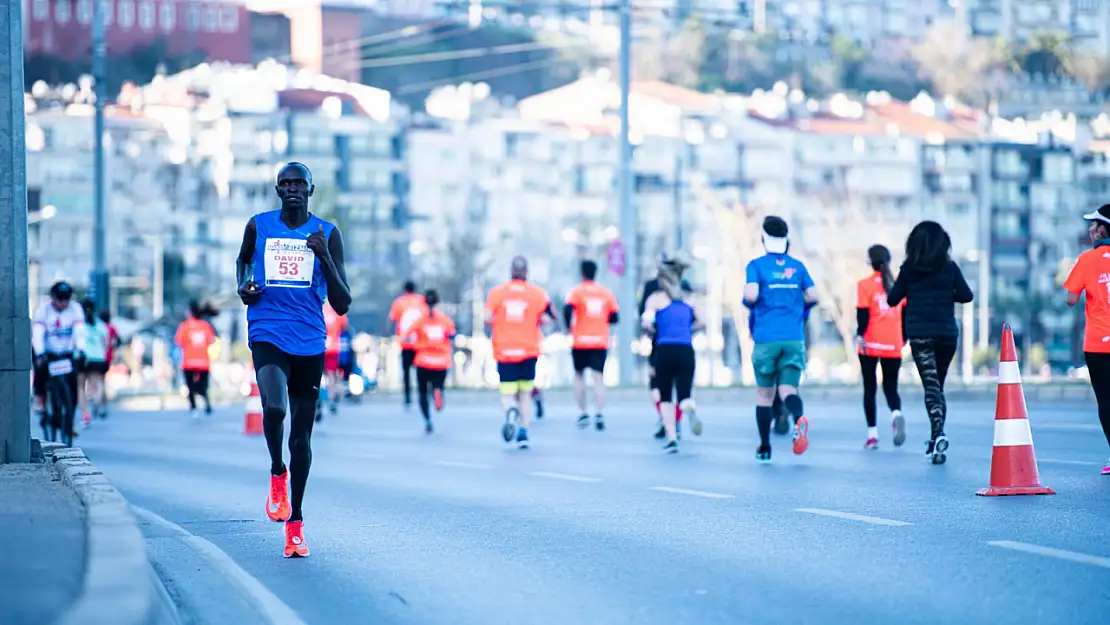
(193, 156)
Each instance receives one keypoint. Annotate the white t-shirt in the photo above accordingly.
(58, 331)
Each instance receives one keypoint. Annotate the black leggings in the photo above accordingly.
(674, 372)
(407, 357)
(428, 380)
(1098, 365)
(869, 366)
(197, 383)
(933, 358)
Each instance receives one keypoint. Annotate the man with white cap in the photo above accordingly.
(779, 291)
(1091, 275)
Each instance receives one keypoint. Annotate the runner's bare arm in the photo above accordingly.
(335, 273)
(244, 266)
(1073, 298)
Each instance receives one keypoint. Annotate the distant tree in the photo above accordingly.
(959, 65)
(1046, 54)
(1092, 71)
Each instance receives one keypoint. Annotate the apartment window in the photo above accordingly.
(1007, 193)
(84, 11)
(61, 11)
(1058, 168)
(211, 19)
(41, 10)
(229, 19)
(168, 17)
(192, 17)
(146, 16)
(1008, 162)
(126, 14)
(109, 8)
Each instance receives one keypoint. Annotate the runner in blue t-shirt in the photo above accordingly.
(289, 262)
(779, 292)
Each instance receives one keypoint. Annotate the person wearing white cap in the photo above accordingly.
(779, 291)
(1091, 275)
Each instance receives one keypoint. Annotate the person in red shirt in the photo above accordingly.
(194, 336)
(879, 343)
(334, 325)
(589, 312)
(1091, 276)
(405, 310)
(514, 311)
(433, 336)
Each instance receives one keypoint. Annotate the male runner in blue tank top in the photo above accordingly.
(290, 261)
(779, 291)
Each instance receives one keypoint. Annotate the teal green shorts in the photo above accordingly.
(779, 362)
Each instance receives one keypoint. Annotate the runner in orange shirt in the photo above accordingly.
(334, 325)
(1091, 275)
(589, 312)
(194, 336)
(407, 309)
(879, 342)
(433, 335)
(514, 311)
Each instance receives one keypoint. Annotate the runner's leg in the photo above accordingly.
(925, 357)
(891, 367)
(303, 395)
(868, 367)
(407, 358)
(423, 388)
(1098, 365)
(202, 386)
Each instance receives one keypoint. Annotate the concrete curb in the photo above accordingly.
(117, 588)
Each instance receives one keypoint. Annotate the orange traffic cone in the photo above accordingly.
(253, 422)
(1013, 463)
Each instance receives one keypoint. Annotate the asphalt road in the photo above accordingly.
(601, 528)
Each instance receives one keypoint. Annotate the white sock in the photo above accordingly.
(894, 414)
(873, 432)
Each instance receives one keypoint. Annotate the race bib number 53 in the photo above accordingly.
(289, 263)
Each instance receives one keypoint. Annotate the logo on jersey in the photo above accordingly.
(434, 332)
(515, 309)
(595, 306)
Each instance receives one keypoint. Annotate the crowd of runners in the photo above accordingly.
(292, 279)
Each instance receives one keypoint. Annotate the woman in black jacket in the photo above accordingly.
(932, 284)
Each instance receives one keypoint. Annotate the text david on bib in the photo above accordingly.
(289, 263)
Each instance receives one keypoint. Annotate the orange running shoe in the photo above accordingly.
(801, 436)
(295, 546)
(277, 504)
(438, 396)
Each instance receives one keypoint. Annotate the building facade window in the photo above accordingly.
(61, 11)
(168, 17)
(146, 16)
(211, 19)
(109, 8)
(229, 19)
(84, 11)
(40, 10)
(126, 14)
(192, 17)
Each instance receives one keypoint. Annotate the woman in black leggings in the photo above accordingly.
(931, 284)
(879, 343)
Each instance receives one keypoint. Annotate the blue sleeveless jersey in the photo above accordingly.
(290, 313)
(674, 324)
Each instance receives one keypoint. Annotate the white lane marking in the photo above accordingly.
(1073, 556)
(564, 476)
(1009, 373)
(461, 465)
(1012, 433)
(1068, 427)
(272, 609)
(1078, 463)
(873, 520)
(694, 493)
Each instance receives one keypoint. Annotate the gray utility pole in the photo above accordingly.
(15, 322)
(629, 228)
(99, 278)
(676, 198)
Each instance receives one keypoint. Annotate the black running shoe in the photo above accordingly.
(671, 447)
(599, 423)
(583, 421)
(763, 454)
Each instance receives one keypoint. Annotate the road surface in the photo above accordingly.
(601, 528)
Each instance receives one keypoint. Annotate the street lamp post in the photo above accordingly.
(629, 228)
